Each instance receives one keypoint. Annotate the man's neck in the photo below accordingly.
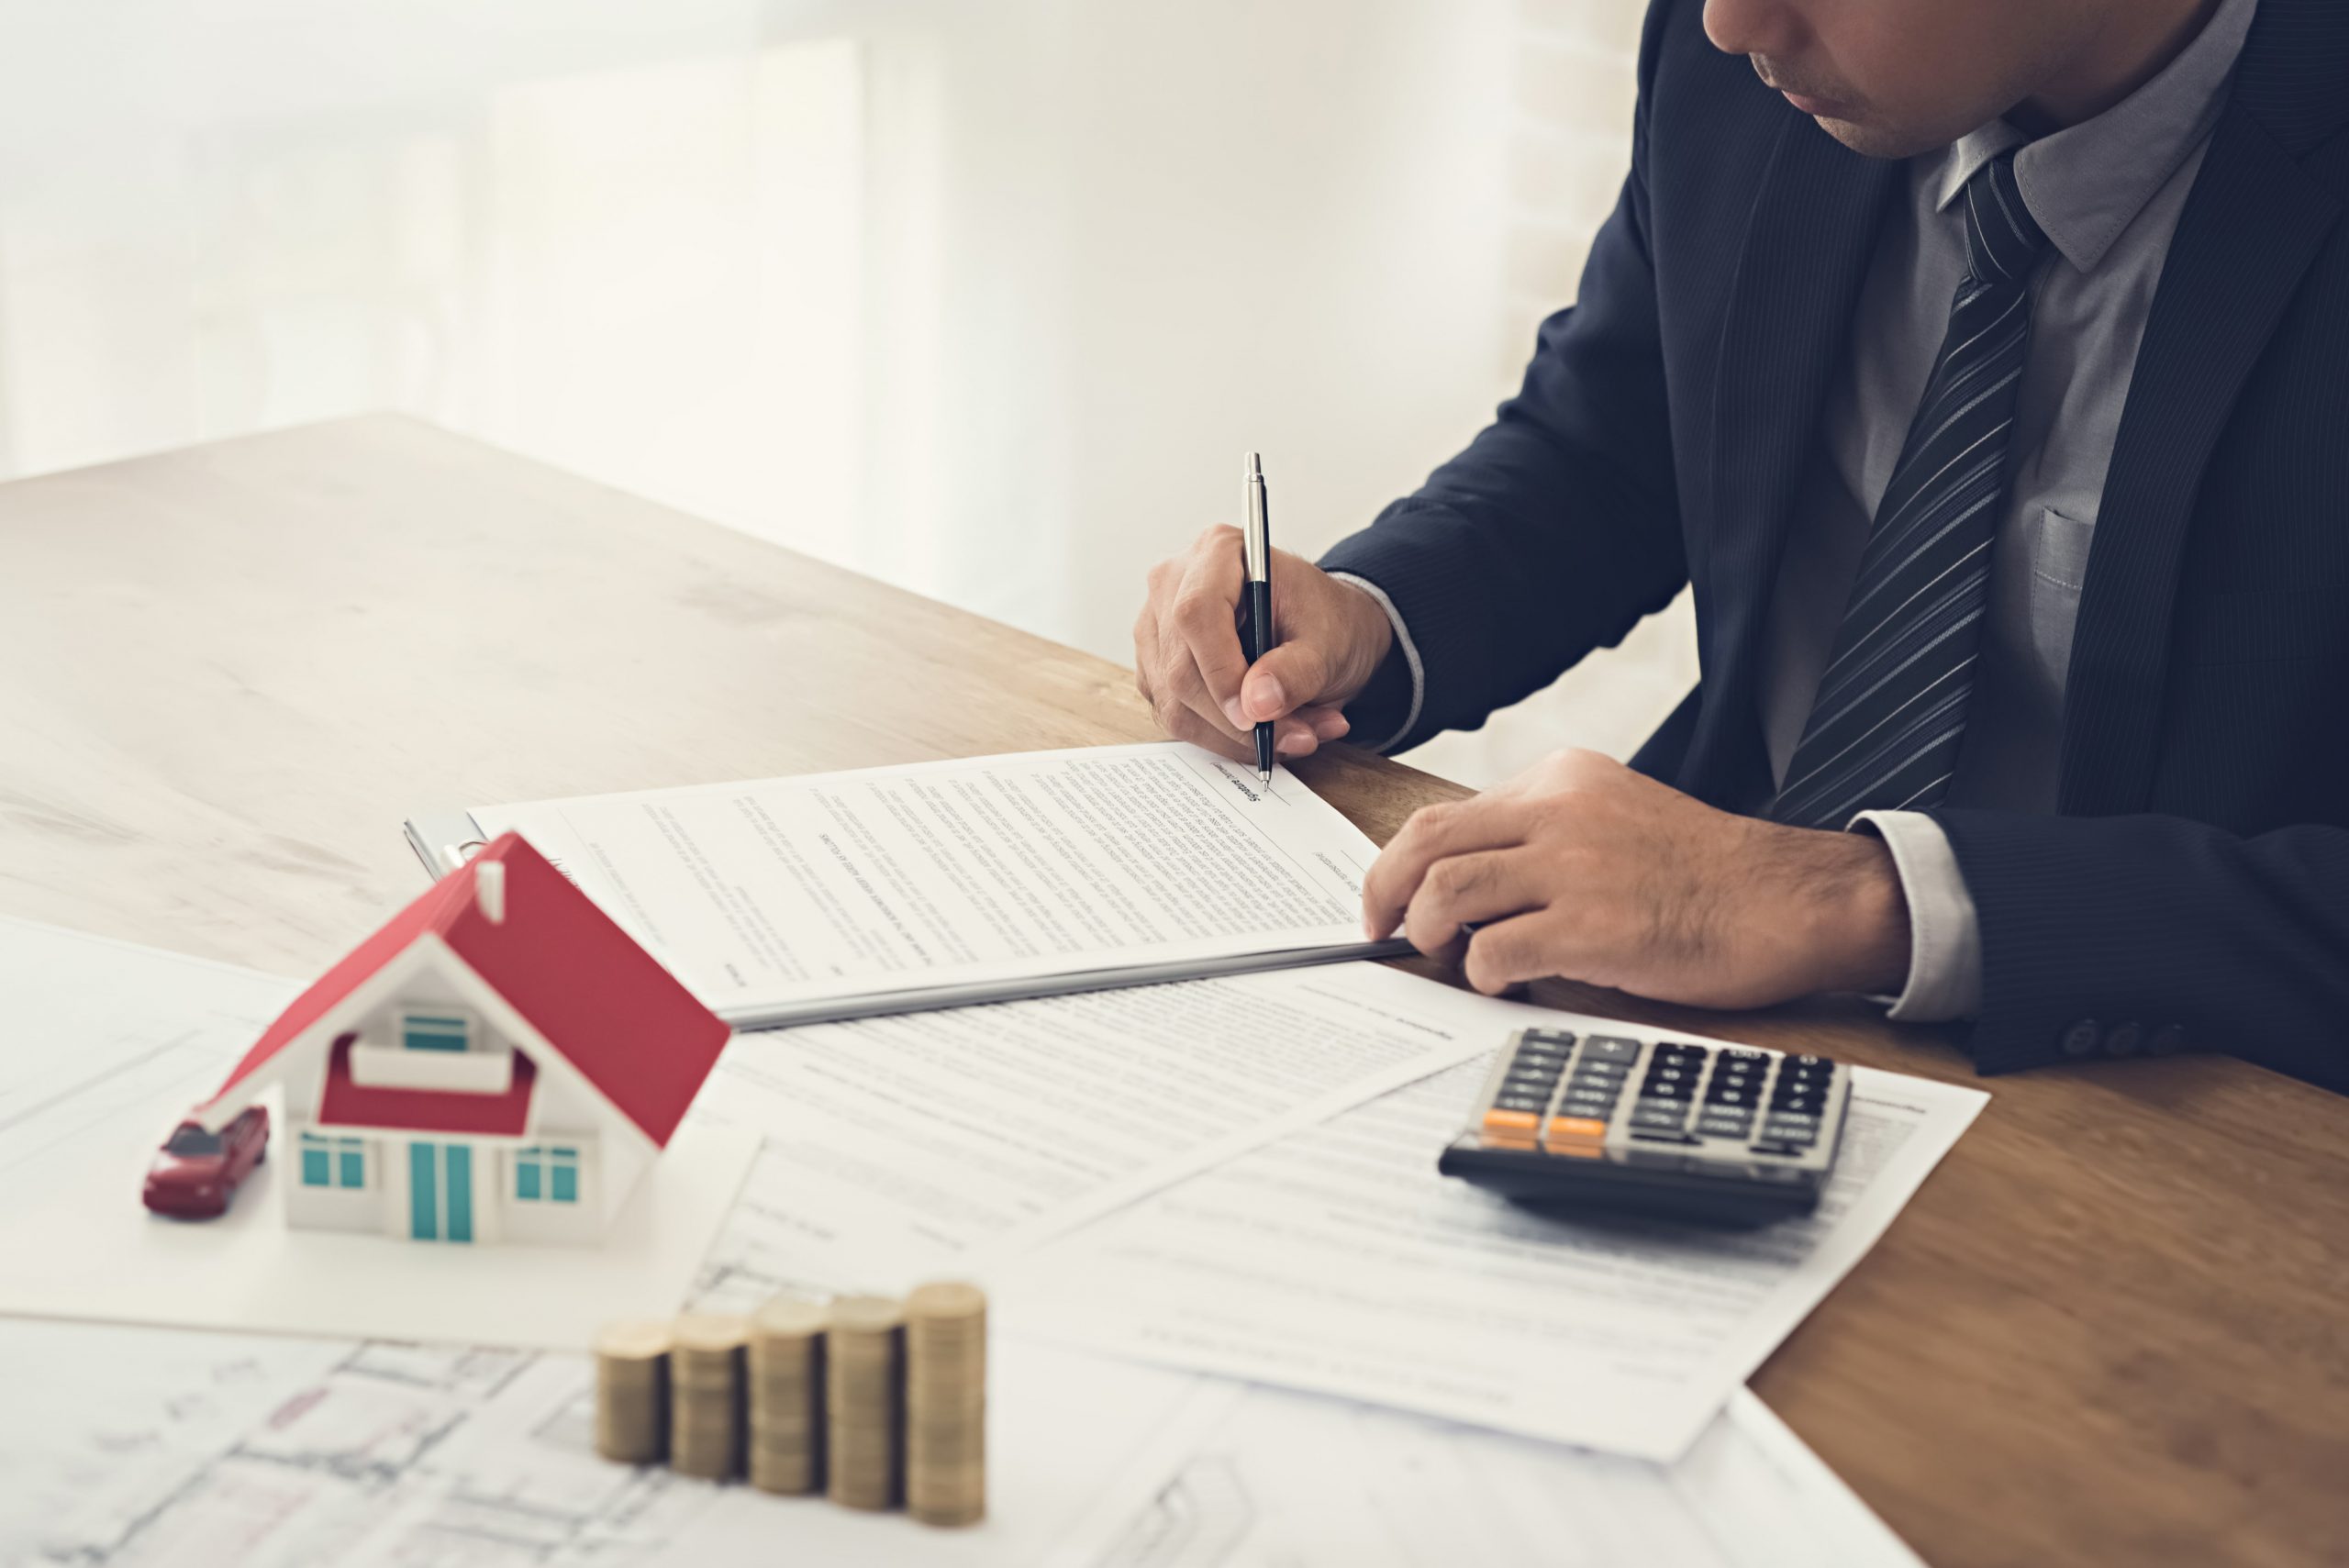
(2138, 40)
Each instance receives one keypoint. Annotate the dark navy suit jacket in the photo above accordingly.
(2192, 890)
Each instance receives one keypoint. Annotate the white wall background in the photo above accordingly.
(985, 297)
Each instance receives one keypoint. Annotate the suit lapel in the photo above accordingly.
(2249, 230)
(1807, 242)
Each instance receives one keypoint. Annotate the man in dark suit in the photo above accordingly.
(1984, 364)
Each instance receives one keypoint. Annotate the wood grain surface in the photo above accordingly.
(2112, 1328)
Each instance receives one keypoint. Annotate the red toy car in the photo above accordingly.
(196, 1174)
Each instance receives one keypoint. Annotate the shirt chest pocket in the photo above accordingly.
(2059, 564)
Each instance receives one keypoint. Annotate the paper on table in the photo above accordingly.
(1275, 1479)
(903, 1146)
(782, 900)
(896, 1147)
(128, 1038)
(1338, 1261)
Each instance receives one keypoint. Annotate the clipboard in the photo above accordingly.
(444, 839)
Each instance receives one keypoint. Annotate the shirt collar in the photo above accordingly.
(2087, 182)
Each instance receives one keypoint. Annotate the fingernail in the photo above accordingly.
(1270, 698)
(1232, 711)
(1291, 745)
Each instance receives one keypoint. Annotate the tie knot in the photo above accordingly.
(2002, 241)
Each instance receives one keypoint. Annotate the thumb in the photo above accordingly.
(1282, 681)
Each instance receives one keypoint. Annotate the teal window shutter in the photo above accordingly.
(526, 1171)
(313, 1161)
(566, 1182)
(352, 1156)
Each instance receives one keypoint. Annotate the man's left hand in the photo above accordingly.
(1580, 867)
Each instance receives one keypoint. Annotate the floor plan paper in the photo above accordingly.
(1338, 1261)
(897, 1147)
(838, 894)
(1272, 1479)
(110, 1045)
(143, 1448)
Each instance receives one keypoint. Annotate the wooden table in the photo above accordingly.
(2112, 1328)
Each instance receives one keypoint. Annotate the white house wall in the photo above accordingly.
(327, 1207)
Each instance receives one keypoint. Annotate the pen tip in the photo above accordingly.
(1264, 775)
(1255, 466)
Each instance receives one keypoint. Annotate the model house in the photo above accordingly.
(501, 1062)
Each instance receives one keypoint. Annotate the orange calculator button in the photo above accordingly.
(1512, 1124)
(1578, 1128)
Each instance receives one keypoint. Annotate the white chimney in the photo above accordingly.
(489, 891)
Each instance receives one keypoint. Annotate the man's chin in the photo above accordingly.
(1873, 140)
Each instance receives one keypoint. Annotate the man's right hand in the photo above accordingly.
(1191, 669)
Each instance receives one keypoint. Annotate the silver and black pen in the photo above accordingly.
(1256, 614)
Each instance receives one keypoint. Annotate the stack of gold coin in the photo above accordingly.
(632, 1392)
(787, 1396)
(706, 1407)
(864, 1365)
(946, 1404)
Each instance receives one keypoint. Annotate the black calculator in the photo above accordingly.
(1583, 1123)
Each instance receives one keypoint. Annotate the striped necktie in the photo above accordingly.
(1885, 726)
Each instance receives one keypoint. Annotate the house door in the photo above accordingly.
(440, 1192)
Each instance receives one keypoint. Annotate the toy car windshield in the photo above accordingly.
(192, 1139)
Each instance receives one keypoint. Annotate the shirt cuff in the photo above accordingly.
(1410, 654)
(1944, 932)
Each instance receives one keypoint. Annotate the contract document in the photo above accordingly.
(938, 884)
(1337, 1261)
(903, 1147)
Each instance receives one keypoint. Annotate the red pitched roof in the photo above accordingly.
(601, 1000)
(348, 1103)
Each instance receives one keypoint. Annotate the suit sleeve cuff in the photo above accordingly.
(1946, 934)
(1404, 645)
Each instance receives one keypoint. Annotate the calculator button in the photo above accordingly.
(1667, 1091)
(1731, 1053)
(1604, 1048)
(1576, 1150)
(1649, 1118)
(1717, 1125)
(1599, 1112)
(1723, 1095)
(1514, 1128)
(1519, 1078)
(1562, 1038)
(1573, 1126)
(1611, 1071)
(1672, 1076)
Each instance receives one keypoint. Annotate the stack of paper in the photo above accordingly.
(1223, 1179)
